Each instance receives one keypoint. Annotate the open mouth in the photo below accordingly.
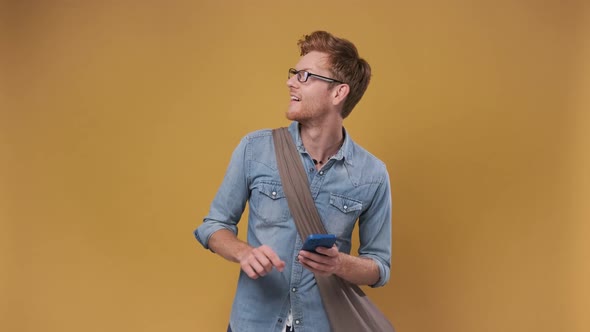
(293, 98)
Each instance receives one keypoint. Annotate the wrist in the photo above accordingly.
(242, 251)
(341, 266)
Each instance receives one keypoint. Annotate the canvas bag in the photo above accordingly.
(348, 307)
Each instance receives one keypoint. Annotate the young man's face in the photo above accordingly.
(312, 99)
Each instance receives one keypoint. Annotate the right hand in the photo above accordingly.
(258, 262)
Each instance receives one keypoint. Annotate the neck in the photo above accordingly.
(322, 140)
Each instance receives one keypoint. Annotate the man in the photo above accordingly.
(276, 288)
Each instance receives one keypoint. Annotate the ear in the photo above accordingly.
(340, 93)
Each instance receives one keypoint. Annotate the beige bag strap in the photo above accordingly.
(296, 185)
(347, 306)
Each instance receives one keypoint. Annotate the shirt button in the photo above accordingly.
(321, 172)
(293, 289)
(345, 207)
(311, 169)
(274, 193)
(297, 322)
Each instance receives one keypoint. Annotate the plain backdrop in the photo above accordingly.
(118, 118)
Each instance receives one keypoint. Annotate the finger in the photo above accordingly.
(274, 259)
(249, 271)
(333, 251)
(258, 266)
(315, 257)
(252, 266)
(313, 266)
(312, 260)
(262, 260)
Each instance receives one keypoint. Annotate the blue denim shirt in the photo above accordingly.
(353, 185)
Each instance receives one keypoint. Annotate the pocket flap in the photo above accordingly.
(345, 204)
(272, 190)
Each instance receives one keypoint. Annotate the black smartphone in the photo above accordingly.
(319, 240)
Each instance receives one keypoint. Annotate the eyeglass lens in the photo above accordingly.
(301, 75)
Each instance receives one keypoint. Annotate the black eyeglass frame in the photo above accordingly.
(307, 75)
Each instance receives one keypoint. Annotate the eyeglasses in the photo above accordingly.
(303, 75)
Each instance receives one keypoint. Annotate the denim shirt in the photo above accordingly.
(353, 185)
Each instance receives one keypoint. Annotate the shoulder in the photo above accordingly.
(256, 137)
(363, 155)
(258, 134)
(258, 147)
(364, 166)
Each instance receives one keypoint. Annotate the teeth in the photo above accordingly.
(294, 98)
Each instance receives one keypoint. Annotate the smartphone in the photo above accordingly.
(319, 240)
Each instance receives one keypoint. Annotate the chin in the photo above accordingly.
(297, 115)
(290, 116)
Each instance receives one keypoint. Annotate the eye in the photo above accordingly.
(302, 75)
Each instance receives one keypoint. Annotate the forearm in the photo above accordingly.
(358, 270)
(255, 262)
(227, 245)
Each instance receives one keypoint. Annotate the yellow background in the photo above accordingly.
(117, 120)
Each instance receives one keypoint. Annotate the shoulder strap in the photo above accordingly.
(347, 306)
(295, 185)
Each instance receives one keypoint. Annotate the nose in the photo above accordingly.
(292, 81)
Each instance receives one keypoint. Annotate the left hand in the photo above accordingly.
(326, 262)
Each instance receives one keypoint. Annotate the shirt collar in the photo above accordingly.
(344, 153)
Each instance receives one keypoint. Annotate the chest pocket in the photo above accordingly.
(345, 204)
(272, 190)
(269, 203)
(342, 214)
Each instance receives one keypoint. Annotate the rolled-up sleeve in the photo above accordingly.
(375, 231)
(230, 201)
